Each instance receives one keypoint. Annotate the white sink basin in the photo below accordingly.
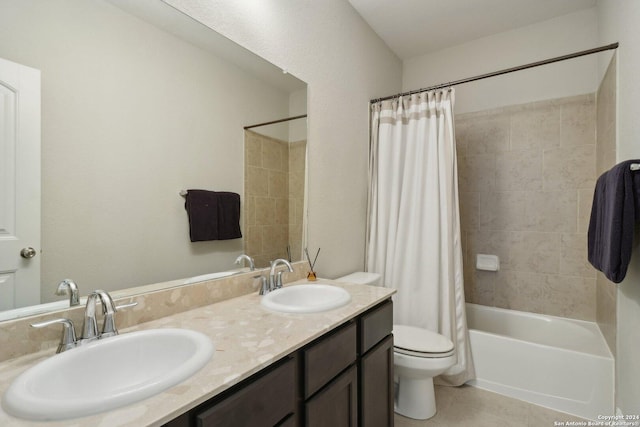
(306, 298)
(107, 374)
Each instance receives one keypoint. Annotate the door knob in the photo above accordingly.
(28, 253)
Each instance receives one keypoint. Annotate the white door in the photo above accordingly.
(19, 185)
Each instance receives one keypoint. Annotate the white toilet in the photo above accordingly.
(419, 355)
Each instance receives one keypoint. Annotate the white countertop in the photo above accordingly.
(247, 338)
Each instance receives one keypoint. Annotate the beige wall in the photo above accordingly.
(527, 175)
(618, 22)
(605, 159)
(328, 45)
(558, 36)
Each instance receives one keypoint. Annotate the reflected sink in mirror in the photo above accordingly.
(211, 276)
(107, 374)
(307, 298)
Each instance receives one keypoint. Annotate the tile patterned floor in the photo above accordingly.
(470, 406)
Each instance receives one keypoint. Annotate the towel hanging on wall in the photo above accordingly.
(213, 215)
(614, 214)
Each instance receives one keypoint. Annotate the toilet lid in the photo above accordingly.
(420, 340)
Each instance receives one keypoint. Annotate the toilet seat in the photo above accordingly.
(419, 342)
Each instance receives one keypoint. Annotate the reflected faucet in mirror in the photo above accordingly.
(68, 287)
(252, 265)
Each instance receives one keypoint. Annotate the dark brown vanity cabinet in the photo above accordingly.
(342, 379)
(375, 367)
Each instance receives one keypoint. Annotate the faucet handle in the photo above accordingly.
(264, 285)
(68, 339)
(109, 326)
(127, 305)
(279, 279)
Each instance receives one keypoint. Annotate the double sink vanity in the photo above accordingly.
(313, 354)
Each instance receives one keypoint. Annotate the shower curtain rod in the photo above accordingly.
(505, 71)
(276, 121)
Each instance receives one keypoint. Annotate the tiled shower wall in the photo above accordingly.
(297, 166)
(605, 159)
(274, 197)
(526, 180)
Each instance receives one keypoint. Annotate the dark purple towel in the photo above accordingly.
(614, 213)
(213, 215)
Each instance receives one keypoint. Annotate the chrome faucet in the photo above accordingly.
(275, 282)
(68, 287)
(90, 327)
(252, 265)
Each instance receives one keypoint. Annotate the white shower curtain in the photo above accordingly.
(413, 236)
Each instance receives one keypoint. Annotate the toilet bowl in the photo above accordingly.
(419, 355)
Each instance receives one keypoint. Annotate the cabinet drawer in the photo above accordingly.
(375, 325)
(264, 402)
(328, 357)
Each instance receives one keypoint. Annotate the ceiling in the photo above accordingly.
(415, 27)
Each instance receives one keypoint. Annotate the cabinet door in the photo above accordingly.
(329, 356)
(262, 403)
(336, 405)
(376, 385)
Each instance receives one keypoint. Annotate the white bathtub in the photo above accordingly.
(559, 363)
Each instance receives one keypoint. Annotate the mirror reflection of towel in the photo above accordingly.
(213, 215)
(615, 211)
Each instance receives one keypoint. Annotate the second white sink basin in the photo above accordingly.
(107, 374)
(307, 298)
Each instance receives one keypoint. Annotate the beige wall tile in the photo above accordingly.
(519, 170)
(535, 252)
(569, 168)
(265, 211)
(606, 310)
(477, 173)
(569, 296)
(551, 211)
(503, 210)
(585, 201)
(282, 211)
(578, 123)
(249, 211)
(573, 256)
(484, 289)
(256, 181)
(527, 202)
(252, 149)
(272, 155)
(278, 184)
(484, 135)
(605, 158)
(535, 128)
(519, 291)
(498, 243)
(469, 210)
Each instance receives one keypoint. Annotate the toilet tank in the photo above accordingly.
(362, 278)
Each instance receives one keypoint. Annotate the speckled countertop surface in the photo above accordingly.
(247, 338)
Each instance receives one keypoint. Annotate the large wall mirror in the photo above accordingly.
(138, 102)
